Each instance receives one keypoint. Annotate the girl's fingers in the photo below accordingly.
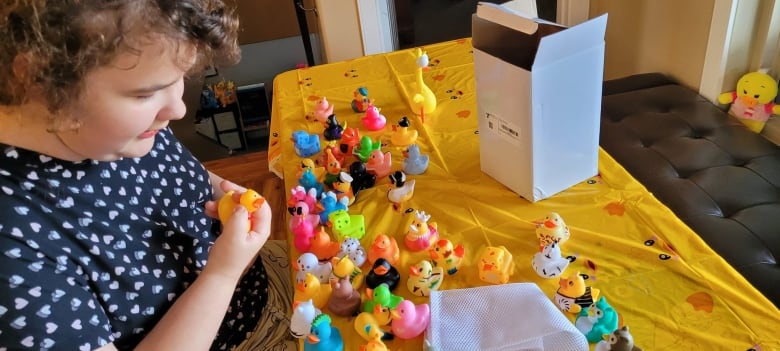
(261, 220)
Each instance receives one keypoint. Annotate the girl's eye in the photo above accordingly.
(143, 97)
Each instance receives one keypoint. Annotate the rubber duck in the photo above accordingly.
(302, 224)
(381, 296)
(363, 150)
(380, 164)
(549, 263)
(329, 202)
(308, 263)
(311, 289)
(572, 294)
(349, 139)
(347, 225)
(334, 150)
(361, 179)
(423, 101)
(371, 325)
(300, 194)
(344, 267)
(402, 134)
(424, 277)
(421, 234)
(386, 247)
(305, 144)
(619, 340)
(400, 189)
(344, 300)
(250, 199)
(383, 272)
(351, 247)
(303, 314)
(753, 101)
(410, 320)
(322, 246)
(373, 120)
(307, 163)
(414, 162)
(552, 229)
(322, 109)
(374, 344)
(333, 129)
(360, 100)
(343, 187)
(597, 320)
(447, 255)
(332, 168)
(323, 336)
(308, 181)
(496, 265)
(302, 238)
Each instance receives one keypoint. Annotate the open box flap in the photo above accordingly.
(575, 39)
(507, 17)
(509, 35)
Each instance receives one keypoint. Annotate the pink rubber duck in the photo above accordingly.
(302, 225)
(379, 164)
(322, 110)
(410, 320)
(373, 120)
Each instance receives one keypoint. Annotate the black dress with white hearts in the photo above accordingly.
(96, 252)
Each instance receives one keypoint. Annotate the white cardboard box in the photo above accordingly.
(538, 99)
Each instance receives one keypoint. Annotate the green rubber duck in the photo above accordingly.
(365, 147)
(381, 295)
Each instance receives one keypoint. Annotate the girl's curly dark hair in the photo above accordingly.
(61, 41)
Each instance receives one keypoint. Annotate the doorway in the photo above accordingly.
(423, 22)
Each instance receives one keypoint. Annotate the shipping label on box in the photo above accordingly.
(538, 99)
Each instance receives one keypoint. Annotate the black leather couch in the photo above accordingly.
(720, 178)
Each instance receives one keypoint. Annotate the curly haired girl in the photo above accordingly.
(107, 239)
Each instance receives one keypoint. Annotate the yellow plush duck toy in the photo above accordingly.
(753, 101)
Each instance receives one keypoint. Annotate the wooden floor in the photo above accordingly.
(251, 171)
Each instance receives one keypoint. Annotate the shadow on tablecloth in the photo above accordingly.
(273, 331)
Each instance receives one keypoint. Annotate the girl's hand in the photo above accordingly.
(236, 248)
(224, 187)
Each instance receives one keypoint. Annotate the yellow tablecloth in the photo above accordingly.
(669, 287)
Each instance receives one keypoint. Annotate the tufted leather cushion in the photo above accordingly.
(717, 176)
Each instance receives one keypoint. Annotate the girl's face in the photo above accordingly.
(125, 103)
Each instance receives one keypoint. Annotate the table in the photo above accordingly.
(671, 289)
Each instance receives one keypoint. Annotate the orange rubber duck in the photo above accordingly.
(386, 247)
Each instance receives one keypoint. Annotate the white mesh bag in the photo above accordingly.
(507, 317)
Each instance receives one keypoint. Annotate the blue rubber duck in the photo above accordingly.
(597, 320)
(323, 336)
(305, 144)
(415, 163)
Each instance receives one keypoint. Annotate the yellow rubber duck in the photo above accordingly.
(311, 289)
(552, 230)
(423, 100)
(250, 199)
(424, 277)
(402, 134)
(318, 171)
